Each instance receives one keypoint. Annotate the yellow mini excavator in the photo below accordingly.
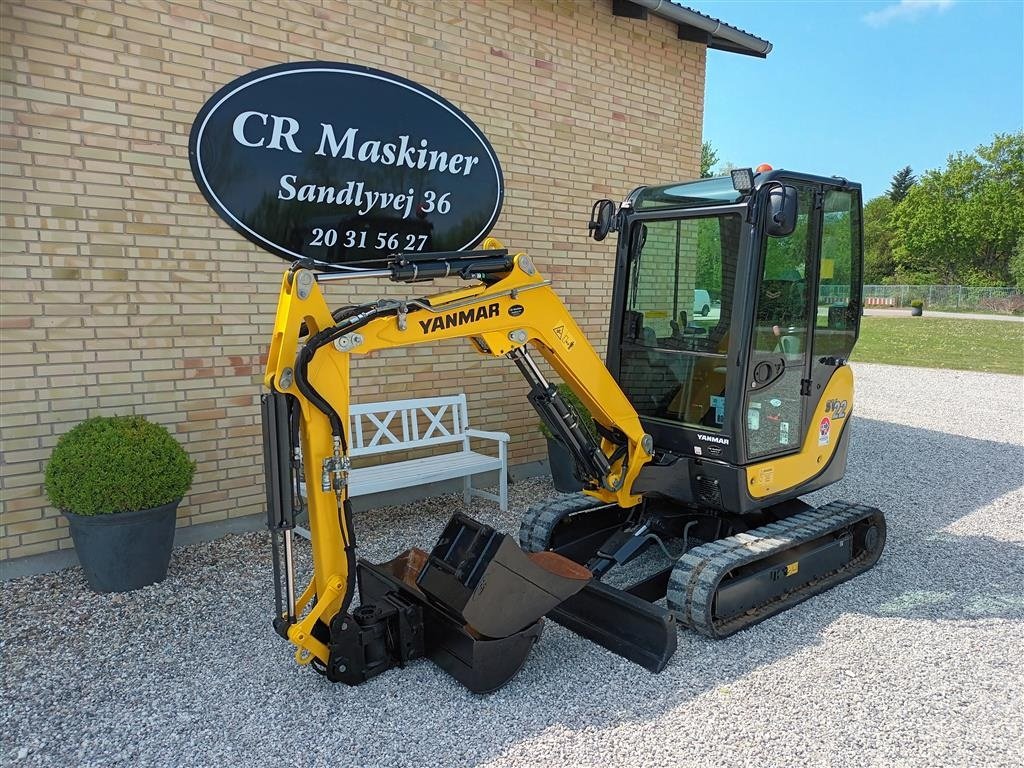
(725, 396)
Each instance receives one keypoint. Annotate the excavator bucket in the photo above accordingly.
(474, 606)
(490, 583)
(479, 663)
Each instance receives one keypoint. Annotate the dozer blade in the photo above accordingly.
(727, 585)
(625, 624)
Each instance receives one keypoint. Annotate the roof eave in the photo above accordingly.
(696, 27)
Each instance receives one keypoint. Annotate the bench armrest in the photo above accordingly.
(500, 436)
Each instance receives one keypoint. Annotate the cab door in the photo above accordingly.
(776, 407)
(840, 280)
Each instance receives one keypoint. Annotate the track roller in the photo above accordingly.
(541, 519)
(724, 586)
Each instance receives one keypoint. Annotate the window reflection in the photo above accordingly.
(676, 334)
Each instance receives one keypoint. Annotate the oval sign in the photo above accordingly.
(344, 165)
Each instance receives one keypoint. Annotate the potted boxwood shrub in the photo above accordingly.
(916, 308)
(559, 459)
(119, 480)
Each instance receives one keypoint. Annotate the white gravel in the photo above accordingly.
(919, 662)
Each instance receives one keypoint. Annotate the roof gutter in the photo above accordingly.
(713, 27)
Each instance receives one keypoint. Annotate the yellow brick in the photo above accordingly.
(24, 550)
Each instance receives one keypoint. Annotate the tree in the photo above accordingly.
(962, 224)
(1017, 264)
(878, 259)
(901, 183)
(708, 158)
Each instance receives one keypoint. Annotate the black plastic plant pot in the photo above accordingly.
(561, 465)
(126, 550)
(916, 311)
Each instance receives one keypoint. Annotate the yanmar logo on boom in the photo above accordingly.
(454, 319)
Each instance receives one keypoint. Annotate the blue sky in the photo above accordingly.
(861, 89)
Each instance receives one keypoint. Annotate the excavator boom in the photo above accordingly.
(510, 310)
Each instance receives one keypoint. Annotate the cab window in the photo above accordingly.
(782, 306)
(675, 332)
(839, 284)
(774, 413)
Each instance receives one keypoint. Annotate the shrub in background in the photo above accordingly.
(116, 464)
(1011, 304)
(587, 422)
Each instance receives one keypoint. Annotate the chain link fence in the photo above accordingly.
(949, 297)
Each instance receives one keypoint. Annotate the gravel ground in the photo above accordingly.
(918, 662)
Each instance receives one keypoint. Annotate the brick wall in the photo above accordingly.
(122, 292)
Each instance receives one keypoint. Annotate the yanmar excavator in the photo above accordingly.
(708, 430)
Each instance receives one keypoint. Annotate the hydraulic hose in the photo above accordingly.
(356, 319)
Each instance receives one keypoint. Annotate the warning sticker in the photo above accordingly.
(793, 568)
(824, 431)
(754, 417)
(564, 336)
(718, 403)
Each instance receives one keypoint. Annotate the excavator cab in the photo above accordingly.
(779, 255)
(747, 406)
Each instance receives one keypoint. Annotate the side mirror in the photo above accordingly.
(601, 217)
(782, 211)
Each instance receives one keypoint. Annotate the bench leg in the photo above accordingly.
(468, 491)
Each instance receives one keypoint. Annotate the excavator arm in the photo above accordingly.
(510, 310)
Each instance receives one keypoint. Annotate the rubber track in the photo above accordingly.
(697, 575)
(542, 518)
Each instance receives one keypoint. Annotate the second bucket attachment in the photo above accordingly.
(485, 580)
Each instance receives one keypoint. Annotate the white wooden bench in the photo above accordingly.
(403, 425)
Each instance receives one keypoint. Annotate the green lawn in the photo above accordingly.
(996, 346)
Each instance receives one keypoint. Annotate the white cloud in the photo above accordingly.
(906, 10)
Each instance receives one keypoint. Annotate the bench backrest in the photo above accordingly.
(398, 425)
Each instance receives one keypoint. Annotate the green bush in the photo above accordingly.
(917, 304)
(117, 464)
(570, 397)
